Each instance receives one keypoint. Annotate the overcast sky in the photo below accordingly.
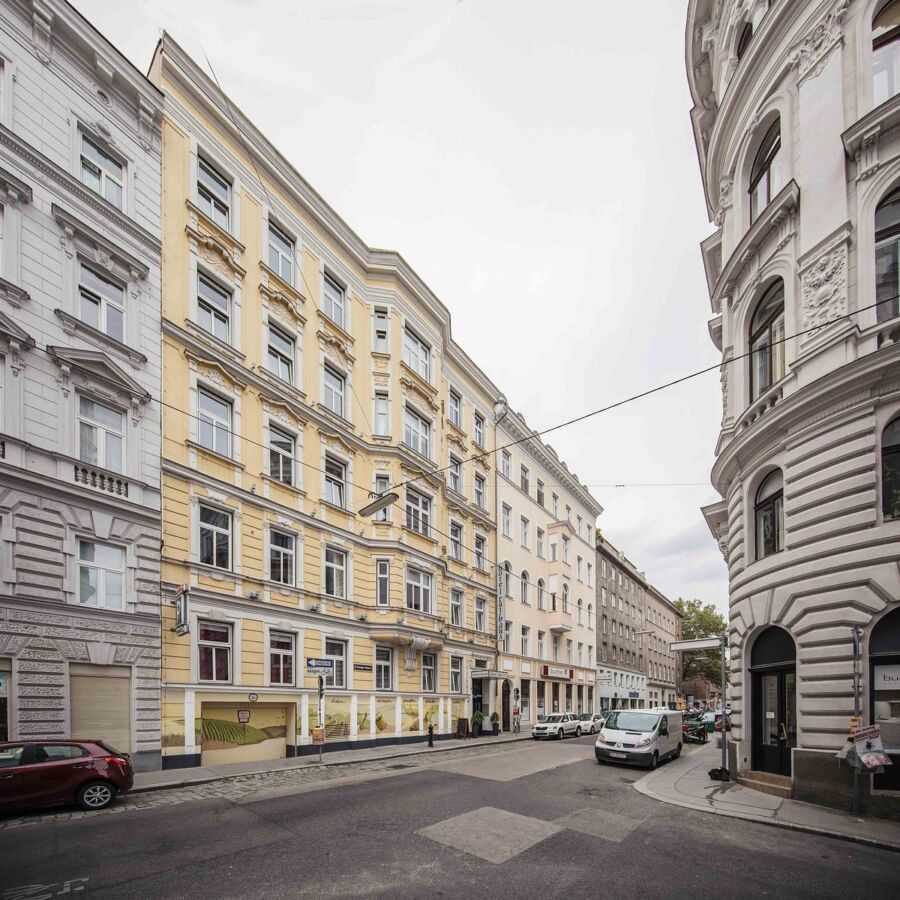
(534, 163)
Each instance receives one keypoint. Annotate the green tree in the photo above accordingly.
(701, 622)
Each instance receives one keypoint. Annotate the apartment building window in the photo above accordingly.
(565, 599)
(526, 641)
(553, 550)
(281, 455)
(455, 408)
(590, 575)
(418, 590)
(555, 648)
(541, 594)
(507, 579)
(767, 364)
(280, 354)
(456, 604)
(455, 675)
(336, 651)
(578, 524)
(539, 543)
(480, 614)
(334, 300)
(765, 174)
(429, 672)
(215, 537)
(540, 644)
(416, 432)
(505, 463)
(281, 254)
(213, 194)
(281, 557)
(506, 521)
(605, 622)
(507, 636)
(540, 492)
(335, 482)
(479, 552)
(578, 564)
(384, 664)
(580, 654)
(101, 302)
(769, 515)
(418, 512)
(417, 354)
(213, 308)
(568, 513)
(479, 492)
(580, 610)
(102, 173)
(335, 387)
(523, 587)
(381, 331)
(214, 649)
(555, 506)
(101, 434)
(335, 573)
(382, 415)
(281, 658)
(383, 582)
(569, 651)
(215, 422)
(890, 469)
(478, 429)
(524, 482)
(456, 541)
(604, 596)
(567, 558)
(454, 474)
(523, 532)
(101, 575)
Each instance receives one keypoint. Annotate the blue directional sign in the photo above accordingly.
(315, 666)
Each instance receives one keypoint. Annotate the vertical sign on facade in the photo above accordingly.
(500, 610)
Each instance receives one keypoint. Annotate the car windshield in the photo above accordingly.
(553, 719)
(626, 720)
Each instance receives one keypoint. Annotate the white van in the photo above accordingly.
(644, 737)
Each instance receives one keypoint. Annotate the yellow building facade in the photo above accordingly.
(305, 371)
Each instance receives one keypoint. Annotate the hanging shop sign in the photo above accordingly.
(887, 678)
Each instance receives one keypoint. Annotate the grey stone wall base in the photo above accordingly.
(147, 761)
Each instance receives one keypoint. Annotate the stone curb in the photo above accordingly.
(209, 779)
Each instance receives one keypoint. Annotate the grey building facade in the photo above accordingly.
(79, 385)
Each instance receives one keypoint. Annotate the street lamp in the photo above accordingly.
(380, 502)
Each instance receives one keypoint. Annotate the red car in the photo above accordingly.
(55, 773)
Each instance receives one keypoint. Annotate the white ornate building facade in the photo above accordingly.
(795, 112)
(79, 385)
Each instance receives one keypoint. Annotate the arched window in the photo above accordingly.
(890, 469)
(886, 52)
(524, 583)
(565, 598)
(769, 515)
(507, 579)
(541, 591)
(887, 257)
(590, 616)
(767, 341)
(744, 40)
(765, 176)
(580, 611)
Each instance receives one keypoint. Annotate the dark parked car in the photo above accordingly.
(54, 773)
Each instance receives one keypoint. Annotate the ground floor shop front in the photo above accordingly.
(537, 689)
(621, 689)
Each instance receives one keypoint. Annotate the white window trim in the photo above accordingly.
(228, 172)
(236, 522)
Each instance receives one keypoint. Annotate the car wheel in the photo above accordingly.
(678, 751)
(559, 734)
(578, 731)
(654, 760)
(592, 729)
(95, 795)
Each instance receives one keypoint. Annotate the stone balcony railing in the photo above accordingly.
(102, 481)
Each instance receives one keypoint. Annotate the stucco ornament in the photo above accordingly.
(723, 378)
(811, 54)
(823, 288)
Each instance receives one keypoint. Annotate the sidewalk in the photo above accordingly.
(173, 778)
(685, 782)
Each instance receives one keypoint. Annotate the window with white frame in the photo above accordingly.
(480, 544)
(381, 331)
(384, 664)
(454, 474)
(455, 675)
(526, 641)
(282, 455)
(456, 541)
(215, 422)
(335, 482)
(281, 557)
(213, 308)
(480, 614)
(540, 644)
(101, 575)
(524, 480)
(280, 354)
(540, 492)
(580, 611)
(281, 658)
(506, 521)
(590, 575)
(507, 636)
(555, 506)
(555, 648)
(604, 596)
(568, 513)
(539, 547)
(480, 496)
(578, 564)
(454, 408)
(383, 582)
(335, 573)
(566, 552)
(101, 302)
(569, 651)
(541, 594)
(523, 531)
(213, 193)
(418, 590)
(478, 428)
(335, 301)
(382, 483)
(416, 432)
(456, 607)
(336, 651)
(382, 415)
(505, 463)
(281, 254)
(507, 579)
(417, 354)
(101, 434)
(429, 672)
(418, 512)
(214, 649)
(523, 586)
(102, 172)
(553, 550)
(215, 537)
(335, 388)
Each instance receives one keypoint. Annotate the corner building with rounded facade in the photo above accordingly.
(304, 371)
(795, 112)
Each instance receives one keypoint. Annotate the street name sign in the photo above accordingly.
(315, 666)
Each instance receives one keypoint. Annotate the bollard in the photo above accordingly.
(431, 735)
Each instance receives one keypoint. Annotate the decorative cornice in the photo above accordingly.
(72, 325)
(16, 190)
(104, 250)
(13, 294)
(811, 54)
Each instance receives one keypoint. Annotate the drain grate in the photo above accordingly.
(401, 766)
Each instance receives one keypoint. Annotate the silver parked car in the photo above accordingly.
(590, 722)
(557, 725)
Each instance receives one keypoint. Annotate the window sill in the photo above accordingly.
(281, 484)
(215, 344)
(334, 417)
(72, 325)
(419, 380)
(223, 233)
(337, 508)
(214, 454)
(280, 384)
(280, 286)
(336, 326)
(419, 534)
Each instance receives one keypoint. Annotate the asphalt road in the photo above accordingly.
(526, 820)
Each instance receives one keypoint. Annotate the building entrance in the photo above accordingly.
(884, 695)
(774, 701)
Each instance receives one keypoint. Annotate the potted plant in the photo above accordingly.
(495, 722)
(477, 719)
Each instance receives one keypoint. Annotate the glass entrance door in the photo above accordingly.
(774, 720)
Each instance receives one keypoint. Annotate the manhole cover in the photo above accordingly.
(401, 766)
